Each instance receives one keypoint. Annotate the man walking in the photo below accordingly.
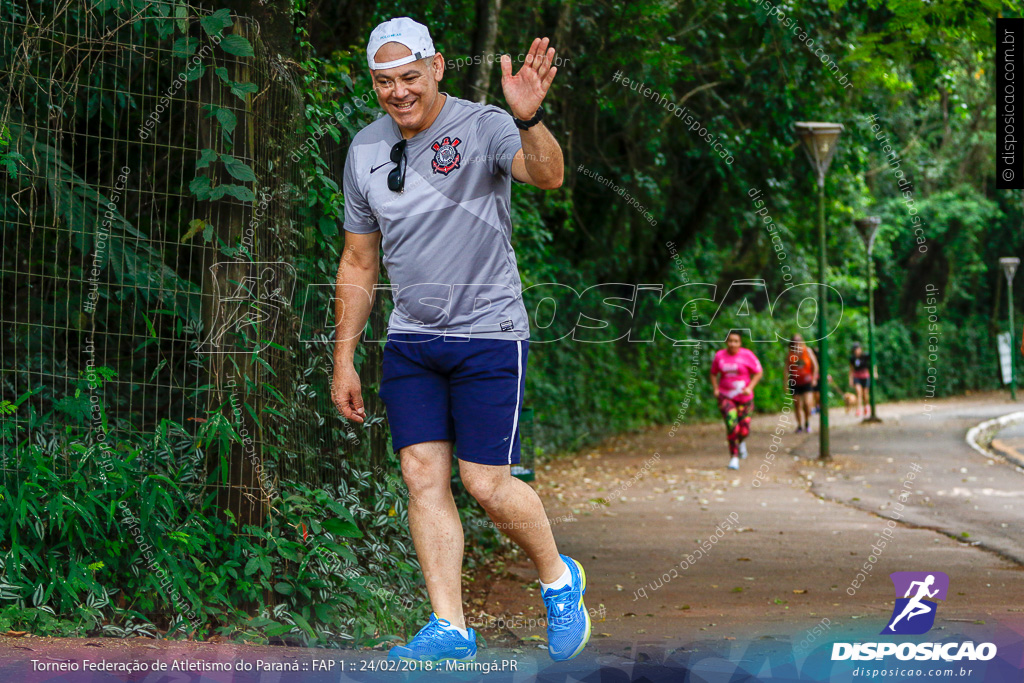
(431, 183)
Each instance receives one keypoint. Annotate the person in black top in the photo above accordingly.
(860, 376)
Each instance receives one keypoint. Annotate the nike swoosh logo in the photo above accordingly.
(380, 167)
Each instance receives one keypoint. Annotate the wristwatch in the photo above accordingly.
(526, 125)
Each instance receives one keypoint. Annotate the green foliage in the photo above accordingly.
(8, 159)
(923, 72)
(328, 565)
(94, 541)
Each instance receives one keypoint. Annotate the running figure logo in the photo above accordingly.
(245, 313)
(914, 613)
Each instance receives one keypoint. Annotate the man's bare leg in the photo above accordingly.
(516, 510)
(435, 525)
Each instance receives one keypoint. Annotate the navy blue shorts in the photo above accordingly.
(466, 390)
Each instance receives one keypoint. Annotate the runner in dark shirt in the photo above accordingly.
(860, 377)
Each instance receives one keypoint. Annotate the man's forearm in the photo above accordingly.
(353, 302)
(542, 155)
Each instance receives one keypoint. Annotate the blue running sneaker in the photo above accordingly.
(568, 619)
(435, 643)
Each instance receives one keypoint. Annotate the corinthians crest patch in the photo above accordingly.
(446, 155)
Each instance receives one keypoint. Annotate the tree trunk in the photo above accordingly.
(479, 76)
(563, 50)
(266, 123)
(238, 489)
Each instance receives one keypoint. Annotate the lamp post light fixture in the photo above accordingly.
(1009, 264)
(819, 141)
(868, 229)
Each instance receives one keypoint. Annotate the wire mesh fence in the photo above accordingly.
(159, 285)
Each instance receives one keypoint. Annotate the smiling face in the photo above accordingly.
(408, 93)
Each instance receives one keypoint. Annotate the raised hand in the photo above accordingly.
(525, 91)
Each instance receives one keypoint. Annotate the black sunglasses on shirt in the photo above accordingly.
(396, 178)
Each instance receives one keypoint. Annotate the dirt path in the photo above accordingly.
(798, 541)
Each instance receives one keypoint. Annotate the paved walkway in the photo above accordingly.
(696, 562)
(793, 549)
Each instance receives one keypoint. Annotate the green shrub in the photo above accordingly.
(93, 543)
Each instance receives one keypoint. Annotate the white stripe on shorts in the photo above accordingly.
(515, 418)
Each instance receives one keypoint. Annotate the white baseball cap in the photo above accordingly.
(404, 30)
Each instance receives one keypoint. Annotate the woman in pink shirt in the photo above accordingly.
(735, 372)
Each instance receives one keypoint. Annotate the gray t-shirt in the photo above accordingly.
(447, 236)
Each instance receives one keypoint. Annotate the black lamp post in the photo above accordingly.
(819, 140)
(868, 228)
(1009, 264)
